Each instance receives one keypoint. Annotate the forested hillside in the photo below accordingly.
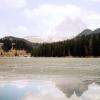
(12, 43)
(85, 44)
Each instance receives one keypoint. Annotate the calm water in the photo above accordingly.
(49, 78)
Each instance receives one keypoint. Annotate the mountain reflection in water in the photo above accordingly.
(46, 90)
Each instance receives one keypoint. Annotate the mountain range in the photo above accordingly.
(86, 43)
(88, 32)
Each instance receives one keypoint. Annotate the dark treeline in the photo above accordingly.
(83, 46)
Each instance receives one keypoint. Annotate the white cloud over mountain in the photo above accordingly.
(49, 17)
(51, 21)
(62, 21)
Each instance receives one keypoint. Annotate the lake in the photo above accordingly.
(23, 78)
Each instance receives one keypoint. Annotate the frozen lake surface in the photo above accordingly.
(49, 78)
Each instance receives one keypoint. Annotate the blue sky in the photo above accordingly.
(48, 18)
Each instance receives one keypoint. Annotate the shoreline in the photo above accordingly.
(45, 57)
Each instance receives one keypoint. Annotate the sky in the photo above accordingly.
(48, 18)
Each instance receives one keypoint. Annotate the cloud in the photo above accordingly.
(70, 27)
(93, 20)
(49, 21)
(47, 17)
(12, 3)
(49, 10)
(58, 22)
(95, 0)
(55, 22)
(20, 30)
